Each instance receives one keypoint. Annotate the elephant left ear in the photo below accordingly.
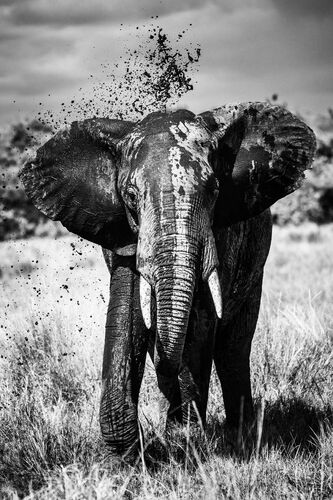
(74, 180)
(259, 155)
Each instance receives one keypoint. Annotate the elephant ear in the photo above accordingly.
(74, 180)
(259, 155)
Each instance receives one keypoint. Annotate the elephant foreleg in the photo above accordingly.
(232, 360)
(123, 363)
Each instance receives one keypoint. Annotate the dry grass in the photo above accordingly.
(52, 321)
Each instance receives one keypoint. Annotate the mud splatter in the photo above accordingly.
(152, 76)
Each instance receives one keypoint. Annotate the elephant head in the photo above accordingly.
(162, 187)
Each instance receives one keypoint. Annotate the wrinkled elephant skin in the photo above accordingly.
(180, 204)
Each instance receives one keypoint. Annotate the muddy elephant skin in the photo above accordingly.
(180, 204)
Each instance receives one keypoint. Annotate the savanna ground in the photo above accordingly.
(52, 308)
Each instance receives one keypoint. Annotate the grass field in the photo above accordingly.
(52, 308)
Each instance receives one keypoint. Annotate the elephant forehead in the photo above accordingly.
(148, 156)
(187, 174)
(177, 153)
(194, 138)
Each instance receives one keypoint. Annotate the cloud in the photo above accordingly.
(6, 3)
(34, 83)
(71, 12)
(7, 36)
(250, 49)
(87, 12)
(26, 49)
(304, 8)
(252, 53)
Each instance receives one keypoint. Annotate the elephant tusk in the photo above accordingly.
(145, 297)
(215, 290)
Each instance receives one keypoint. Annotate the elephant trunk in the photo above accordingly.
(177, 266)
(174, 295)
(170, 260)
(174, 279)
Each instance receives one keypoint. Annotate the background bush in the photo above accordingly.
(19, 218)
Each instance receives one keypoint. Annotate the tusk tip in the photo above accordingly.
(147, 323)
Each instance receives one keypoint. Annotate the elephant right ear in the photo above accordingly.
(259, 155)
(74, 180)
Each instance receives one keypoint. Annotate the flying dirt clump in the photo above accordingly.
(151, 77)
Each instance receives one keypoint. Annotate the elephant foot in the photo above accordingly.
(240, 415)
(241, 435)
(122, 443)
(116, 455)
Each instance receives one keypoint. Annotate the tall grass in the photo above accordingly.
(52, 320)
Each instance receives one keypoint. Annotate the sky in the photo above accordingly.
(250, 49)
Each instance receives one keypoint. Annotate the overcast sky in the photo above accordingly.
(250, 49)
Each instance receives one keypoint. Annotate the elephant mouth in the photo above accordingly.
(146, 291)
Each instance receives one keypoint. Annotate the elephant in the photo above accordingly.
(180, 204)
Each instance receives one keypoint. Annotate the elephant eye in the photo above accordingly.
(131, 197)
